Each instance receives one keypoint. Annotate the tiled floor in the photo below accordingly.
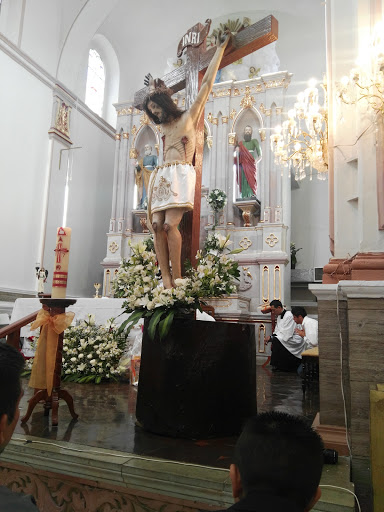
(107, 419)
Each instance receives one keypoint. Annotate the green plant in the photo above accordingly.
(217, 199)
(294, 251)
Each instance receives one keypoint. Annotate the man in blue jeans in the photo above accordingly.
(11, 366)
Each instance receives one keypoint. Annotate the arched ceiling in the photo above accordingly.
(145, 34)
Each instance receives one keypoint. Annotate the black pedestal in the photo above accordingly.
(199, 382)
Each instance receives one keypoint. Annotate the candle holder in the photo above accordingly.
(97, 287)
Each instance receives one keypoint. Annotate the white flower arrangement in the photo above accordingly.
(217, 199)
(91, 353)
(213, 276)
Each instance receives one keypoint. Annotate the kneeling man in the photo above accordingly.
(287, 346)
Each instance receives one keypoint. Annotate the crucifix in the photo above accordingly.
(191, 77)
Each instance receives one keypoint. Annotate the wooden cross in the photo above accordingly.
(189, 77)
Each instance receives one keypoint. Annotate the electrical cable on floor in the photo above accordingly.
(343, 489)
(126, 456)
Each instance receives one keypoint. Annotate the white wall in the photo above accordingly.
(25, 106)
(26, 109)
(89, 204)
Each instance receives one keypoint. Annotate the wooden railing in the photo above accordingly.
(12, 331)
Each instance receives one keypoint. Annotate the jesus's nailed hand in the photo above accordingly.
(223, 38)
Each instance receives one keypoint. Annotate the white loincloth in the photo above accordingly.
(171, 186)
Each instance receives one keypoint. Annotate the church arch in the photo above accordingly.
(248, 113)
(73, 57)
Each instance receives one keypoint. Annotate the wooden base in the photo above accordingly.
(50, 402)
(333, 437)
(55, 307)
(198, 382)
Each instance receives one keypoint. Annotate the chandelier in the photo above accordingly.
(365, 82)
(301, 142)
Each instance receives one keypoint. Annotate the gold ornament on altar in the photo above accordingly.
(271, 240)
(133, 153)
(231, 139)
(302, 140)
(144, 119)
(97, 288)
(262, 134)
(248, 101)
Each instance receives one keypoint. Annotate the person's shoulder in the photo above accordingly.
(16, 501)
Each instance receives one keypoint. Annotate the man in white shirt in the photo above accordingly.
(307, 329)
(286, 345)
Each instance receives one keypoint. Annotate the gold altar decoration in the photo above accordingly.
(262, 134)
(248, 101)
(133, 153)
(231, 139)
(117, 136)
(144, 119)
(276, 282)
(44, 362)
(245, 243)
(302, 140)
(125, 135)
(97, 287)
(125, 111)
(271, 240)
(113, 247)
(219, 93)
(265, 284)
(232, 113)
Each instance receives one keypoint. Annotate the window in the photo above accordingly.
(94, 95)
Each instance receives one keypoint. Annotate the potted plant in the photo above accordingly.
(294, 251)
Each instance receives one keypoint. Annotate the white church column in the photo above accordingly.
(112, 224)
(130, 184)
(123, 162)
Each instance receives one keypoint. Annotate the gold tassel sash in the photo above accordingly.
(43, 368)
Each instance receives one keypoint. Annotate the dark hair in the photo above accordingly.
(298, 311)
(11, 366)
(281, 454)
(166, 103)
(276, 304)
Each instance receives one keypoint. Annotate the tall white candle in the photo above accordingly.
(60, 269)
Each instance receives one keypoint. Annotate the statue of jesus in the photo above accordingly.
(172, 184)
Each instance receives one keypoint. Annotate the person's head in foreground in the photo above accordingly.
(278, 455)
(11, 366)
